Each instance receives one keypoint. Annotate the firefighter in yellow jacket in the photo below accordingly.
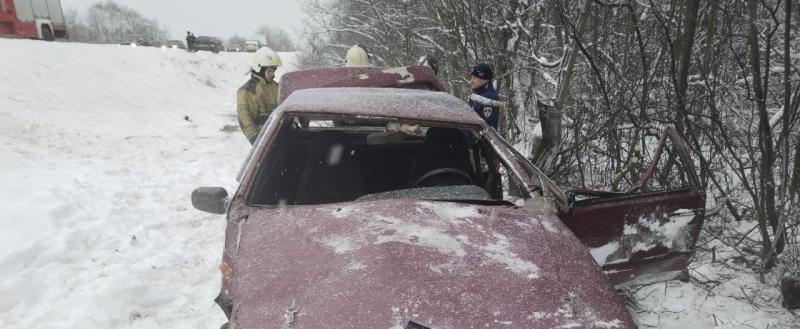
(257, 98)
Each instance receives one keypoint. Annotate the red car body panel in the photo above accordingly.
(380, 264)
(650, 237)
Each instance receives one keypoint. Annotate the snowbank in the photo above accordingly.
(100, 147)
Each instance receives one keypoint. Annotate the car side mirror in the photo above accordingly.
(210, 199)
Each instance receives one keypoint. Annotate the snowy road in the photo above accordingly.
(97, 163)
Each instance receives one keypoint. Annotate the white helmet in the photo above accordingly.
(264, 57)
(356, 57)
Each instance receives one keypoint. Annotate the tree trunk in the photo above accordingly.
(545, 152)
(763, 127)
(711, 33)
(563, 88)
(505, 41)
(787, 95)
(794, 189)
(690, 26)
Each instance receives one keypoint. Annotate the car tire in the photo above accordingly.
(47, 33)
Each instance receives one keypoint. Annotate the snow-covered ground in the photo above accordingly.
(100, 148)
(723, 293)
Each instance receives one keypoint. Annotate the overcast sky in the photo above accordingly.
(222, 18)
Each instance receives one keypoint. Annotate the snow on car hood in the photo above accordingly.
(381, 264)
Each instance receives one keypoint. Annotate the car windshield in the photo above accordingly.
(327, 160)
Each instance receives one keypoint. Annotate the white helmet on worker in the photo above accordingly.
(264, 57)
(356, 57)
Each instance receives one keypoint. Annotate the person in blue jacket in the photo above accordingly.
(484, 100)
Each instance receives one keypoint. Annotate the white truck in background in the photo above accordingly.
(251, 46)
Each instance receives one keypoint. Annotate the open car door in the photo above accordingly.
(648, 233)
(644, 235)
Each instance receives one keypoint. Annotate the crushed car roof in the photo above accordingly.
(407, 104)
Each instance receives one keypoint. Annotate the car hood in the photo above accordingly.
(381, 264)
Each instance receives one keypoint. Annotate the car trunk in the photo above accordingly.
(381, 264)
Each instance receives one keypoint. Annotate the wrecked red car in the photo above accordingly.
(372, 199)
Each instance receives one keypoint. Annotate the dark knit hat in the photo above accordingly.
(483, 71)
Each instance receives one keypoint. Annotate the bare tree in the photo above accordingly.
(78, 31)
(276, 38)
(110, 22)
(606, 76)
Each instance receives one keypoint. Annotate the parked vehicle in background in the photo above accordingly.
(139, 42)
(174, 44)
(32, 19)
(250, 46)
(373, 199)
(146, 43)
(208, 43)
